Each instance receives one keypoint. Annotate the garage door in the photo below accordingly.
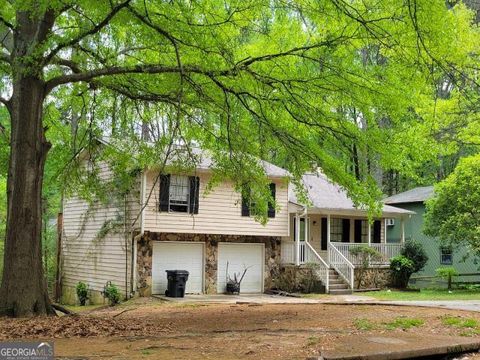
(177, 256)
(240, 257)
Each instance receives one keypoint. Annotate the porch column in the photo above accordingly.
(297, 239)
(385, 230)
(328, 228)
(402, 223)
(369, 233)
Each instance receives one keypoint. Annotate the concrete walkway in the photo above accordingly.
(468, 305)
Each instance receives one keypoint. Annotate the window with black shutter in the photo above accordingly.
(271, 205)
(357, 231)
(346, 230)
(248, 204)
(179, 193)
(377, 231)
(324, 236)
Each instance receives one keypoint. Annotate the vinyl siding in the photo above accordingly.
(219, 212)
(91, 258)
(414, 230)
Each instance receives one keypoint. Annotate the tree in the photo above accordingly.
(243, 79)
(453, 213)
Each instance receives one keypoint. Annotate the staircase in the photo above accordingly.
(337, 285)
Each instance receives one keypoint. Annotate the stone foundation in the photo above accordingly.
(373, 278)
(145, 249)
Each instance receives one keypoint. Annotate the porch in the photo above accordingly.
(327, 240)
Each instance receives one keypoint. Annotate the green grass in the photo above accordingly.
(460, 322)
(425, 294)
(403, 323)
(313, 340)
(364, 324)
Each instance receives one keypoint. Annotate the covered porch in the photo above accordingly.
(325, 232)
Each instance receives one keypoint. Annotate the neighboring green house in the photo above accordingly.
(438, 256)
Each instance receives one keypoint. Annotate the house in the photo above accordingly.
(170, 222)
(438, 256)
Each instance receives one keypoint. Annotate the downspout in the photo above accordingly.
(143, 187)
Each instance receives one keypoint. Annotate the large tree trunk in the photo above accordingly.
(23, 291)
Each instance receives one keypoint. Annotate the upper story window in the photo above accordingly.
(446, 256)
(248, 204)
(179, 193)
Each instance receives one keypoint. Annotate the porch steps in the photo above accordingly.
(337, 286)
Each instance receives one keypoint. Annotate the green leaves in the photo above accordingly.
(453, 214)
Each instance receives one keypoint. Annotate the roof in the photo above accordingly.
(328, 196)
(418, 194)
(205, 162)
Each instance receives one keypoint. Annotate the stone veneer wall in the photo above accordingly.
(145, 249)
(374, 278)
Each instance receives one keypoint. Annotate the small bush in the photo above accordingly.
(402, 268)
(447, 273)
(112, 294)
(414, 251)
(82, 293)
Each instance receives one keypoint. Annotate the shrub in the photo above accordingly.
(447, 273)
(402, 268)
(414, 251)
(82, 293)
(112, 294)
(365, 254)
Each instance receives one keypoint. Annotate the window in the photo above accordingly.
(179, 194)
(248, 205)
(336, 230)
(365, 226)
(446, 256)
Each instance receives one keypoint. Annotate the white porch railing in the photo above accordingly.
(311, 256)
(386, 250)
(341, 264)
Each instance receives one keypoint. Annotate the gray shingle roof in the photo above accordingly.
(326, 195)
(418, 194)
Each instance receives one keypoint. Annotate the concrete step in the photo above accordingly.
(338, 286)
(337, 281)
(340, 291)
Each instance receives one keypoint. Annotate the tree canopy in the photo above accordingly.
(453, 214)
(333, 84)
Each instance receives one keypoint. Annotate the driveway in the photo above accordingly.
(468, 305)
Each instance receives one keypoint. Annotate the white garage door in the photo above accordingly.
(177, 256)
(240, 257)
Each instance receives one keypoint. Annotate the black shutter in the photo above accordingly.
(164, 192)
(377, 231)
(245, 202)
(194, 194)
(358, 231)
(345, 230)
(271, 207)
(324, 236)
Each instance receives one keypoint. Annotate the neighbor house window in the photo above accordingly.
(179, 193)
(446, 256)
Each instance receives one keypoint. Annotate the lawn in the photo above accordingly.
(425, 294)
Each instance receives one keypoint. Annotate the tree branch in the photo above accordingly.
(6, 23)
(67, 63)
(92, 31)
(121, 70)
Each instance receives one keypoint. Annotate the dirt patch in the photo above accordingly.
(164, 330)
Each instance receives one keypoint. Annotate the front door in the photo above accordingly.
(303, 230)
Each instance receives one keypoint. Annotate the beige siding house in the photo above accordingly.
(170, 222)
